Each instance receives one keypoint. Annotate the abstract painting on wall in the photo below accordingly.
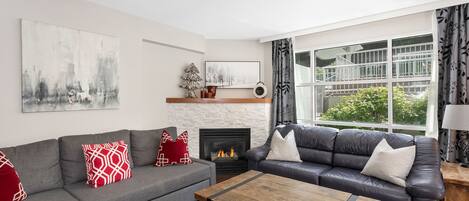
(232, 74)
(68, 69)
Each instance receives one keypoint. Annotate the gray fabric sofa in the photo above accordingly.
(334, 159)
(54, 170)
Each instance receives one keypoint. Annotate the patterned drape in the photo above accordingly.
(453, 57)
(283, 95)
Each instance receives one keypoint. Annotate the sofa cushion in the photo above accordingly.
(10, 183)
(284, 149)
(106, 163)
(147, 182)
(145, 144)
(58, 194)
(388, 164)
(354, 147)
(425, 180)
(173, 151)
(305, 171)
(315, 144)
(71, 153)
(37, 165)
(352, 181)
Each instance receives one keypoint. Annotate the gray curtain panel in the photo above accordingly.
(283, 80)
(453, 57)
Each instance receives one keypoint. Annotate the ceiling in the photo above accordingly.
(253, 19)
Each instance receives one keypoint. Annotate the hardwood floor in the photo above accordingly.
(223, 176)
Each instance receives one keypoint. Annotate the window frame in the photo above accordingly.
(389, 80)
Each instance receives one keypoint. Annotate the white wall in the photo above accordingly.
(401, 26)
(148, 72)
(152, 58)
(240, 50)
(162, 68)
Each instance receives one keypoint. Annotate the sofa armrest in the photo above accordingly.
(211, 165)
(255, 155)
(425, 180)
(258, 153)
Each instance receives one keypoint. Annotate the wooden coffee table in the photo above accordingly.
(257, 186)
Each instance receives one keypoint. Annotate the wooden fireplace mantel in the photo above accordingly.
(218, 100)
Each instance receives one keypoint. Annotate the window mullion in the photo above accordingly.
(313, 90)
(389, 85)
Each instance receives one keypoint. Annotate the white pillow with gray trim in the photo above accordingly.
(284, 149)
(392, 165)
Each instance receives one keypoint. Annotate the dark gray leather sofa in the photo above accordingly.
(334, 159)
(54, 170)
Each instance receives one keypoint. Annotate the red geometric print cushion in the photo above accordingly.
(11, 188)
(106, 163)
(173, 152)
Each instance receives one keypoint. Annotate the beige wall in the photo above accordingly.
(400, 26)
(152, 57)
(162, 67)
(148, 72)
(240, 50)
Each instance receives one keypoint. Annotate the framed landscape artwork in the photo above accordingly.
(232, 74)
(68, 69)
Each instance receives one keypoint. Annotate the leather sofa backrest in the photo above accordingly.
(315, 144)
(37, 165)
(354, 147)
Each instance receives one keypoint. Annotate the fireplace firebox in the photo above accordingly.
(226, 147)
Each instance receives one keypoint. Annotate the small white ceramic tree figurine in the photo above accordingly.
(191, 81)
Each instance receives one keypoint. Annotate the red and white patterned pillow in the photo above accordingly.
(106, 163)
(172, 152)
(10, 184)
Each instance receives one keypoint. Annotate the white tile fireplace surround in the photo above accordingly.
(192, 115)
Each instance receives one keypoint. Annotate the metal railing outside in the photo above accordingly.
(408, 61)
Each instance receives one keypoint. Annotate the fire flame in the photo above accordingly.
(222, 153)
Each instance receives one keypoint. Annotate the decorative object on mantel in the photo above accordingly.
(211, 91)
(232, 74)
(218, 100)
(68, 69)
(455, 119)
(260, 91)
(191, 81)
(203, 93)
(208, 92)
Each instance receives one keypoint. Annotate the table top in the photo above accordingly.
(455, 174)
(258, 186)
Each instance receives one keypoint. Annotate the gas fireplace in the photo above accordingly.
(222, 155)
(226, 147)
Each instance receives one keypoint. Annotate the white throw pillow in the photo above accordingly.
(392, 165)
(283, 149)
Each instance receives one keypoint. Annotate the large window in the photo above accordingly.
(380, 85)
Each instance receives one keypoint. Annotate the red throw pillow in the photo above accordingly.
(11, 188)
(106, 163)
(173, 152)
